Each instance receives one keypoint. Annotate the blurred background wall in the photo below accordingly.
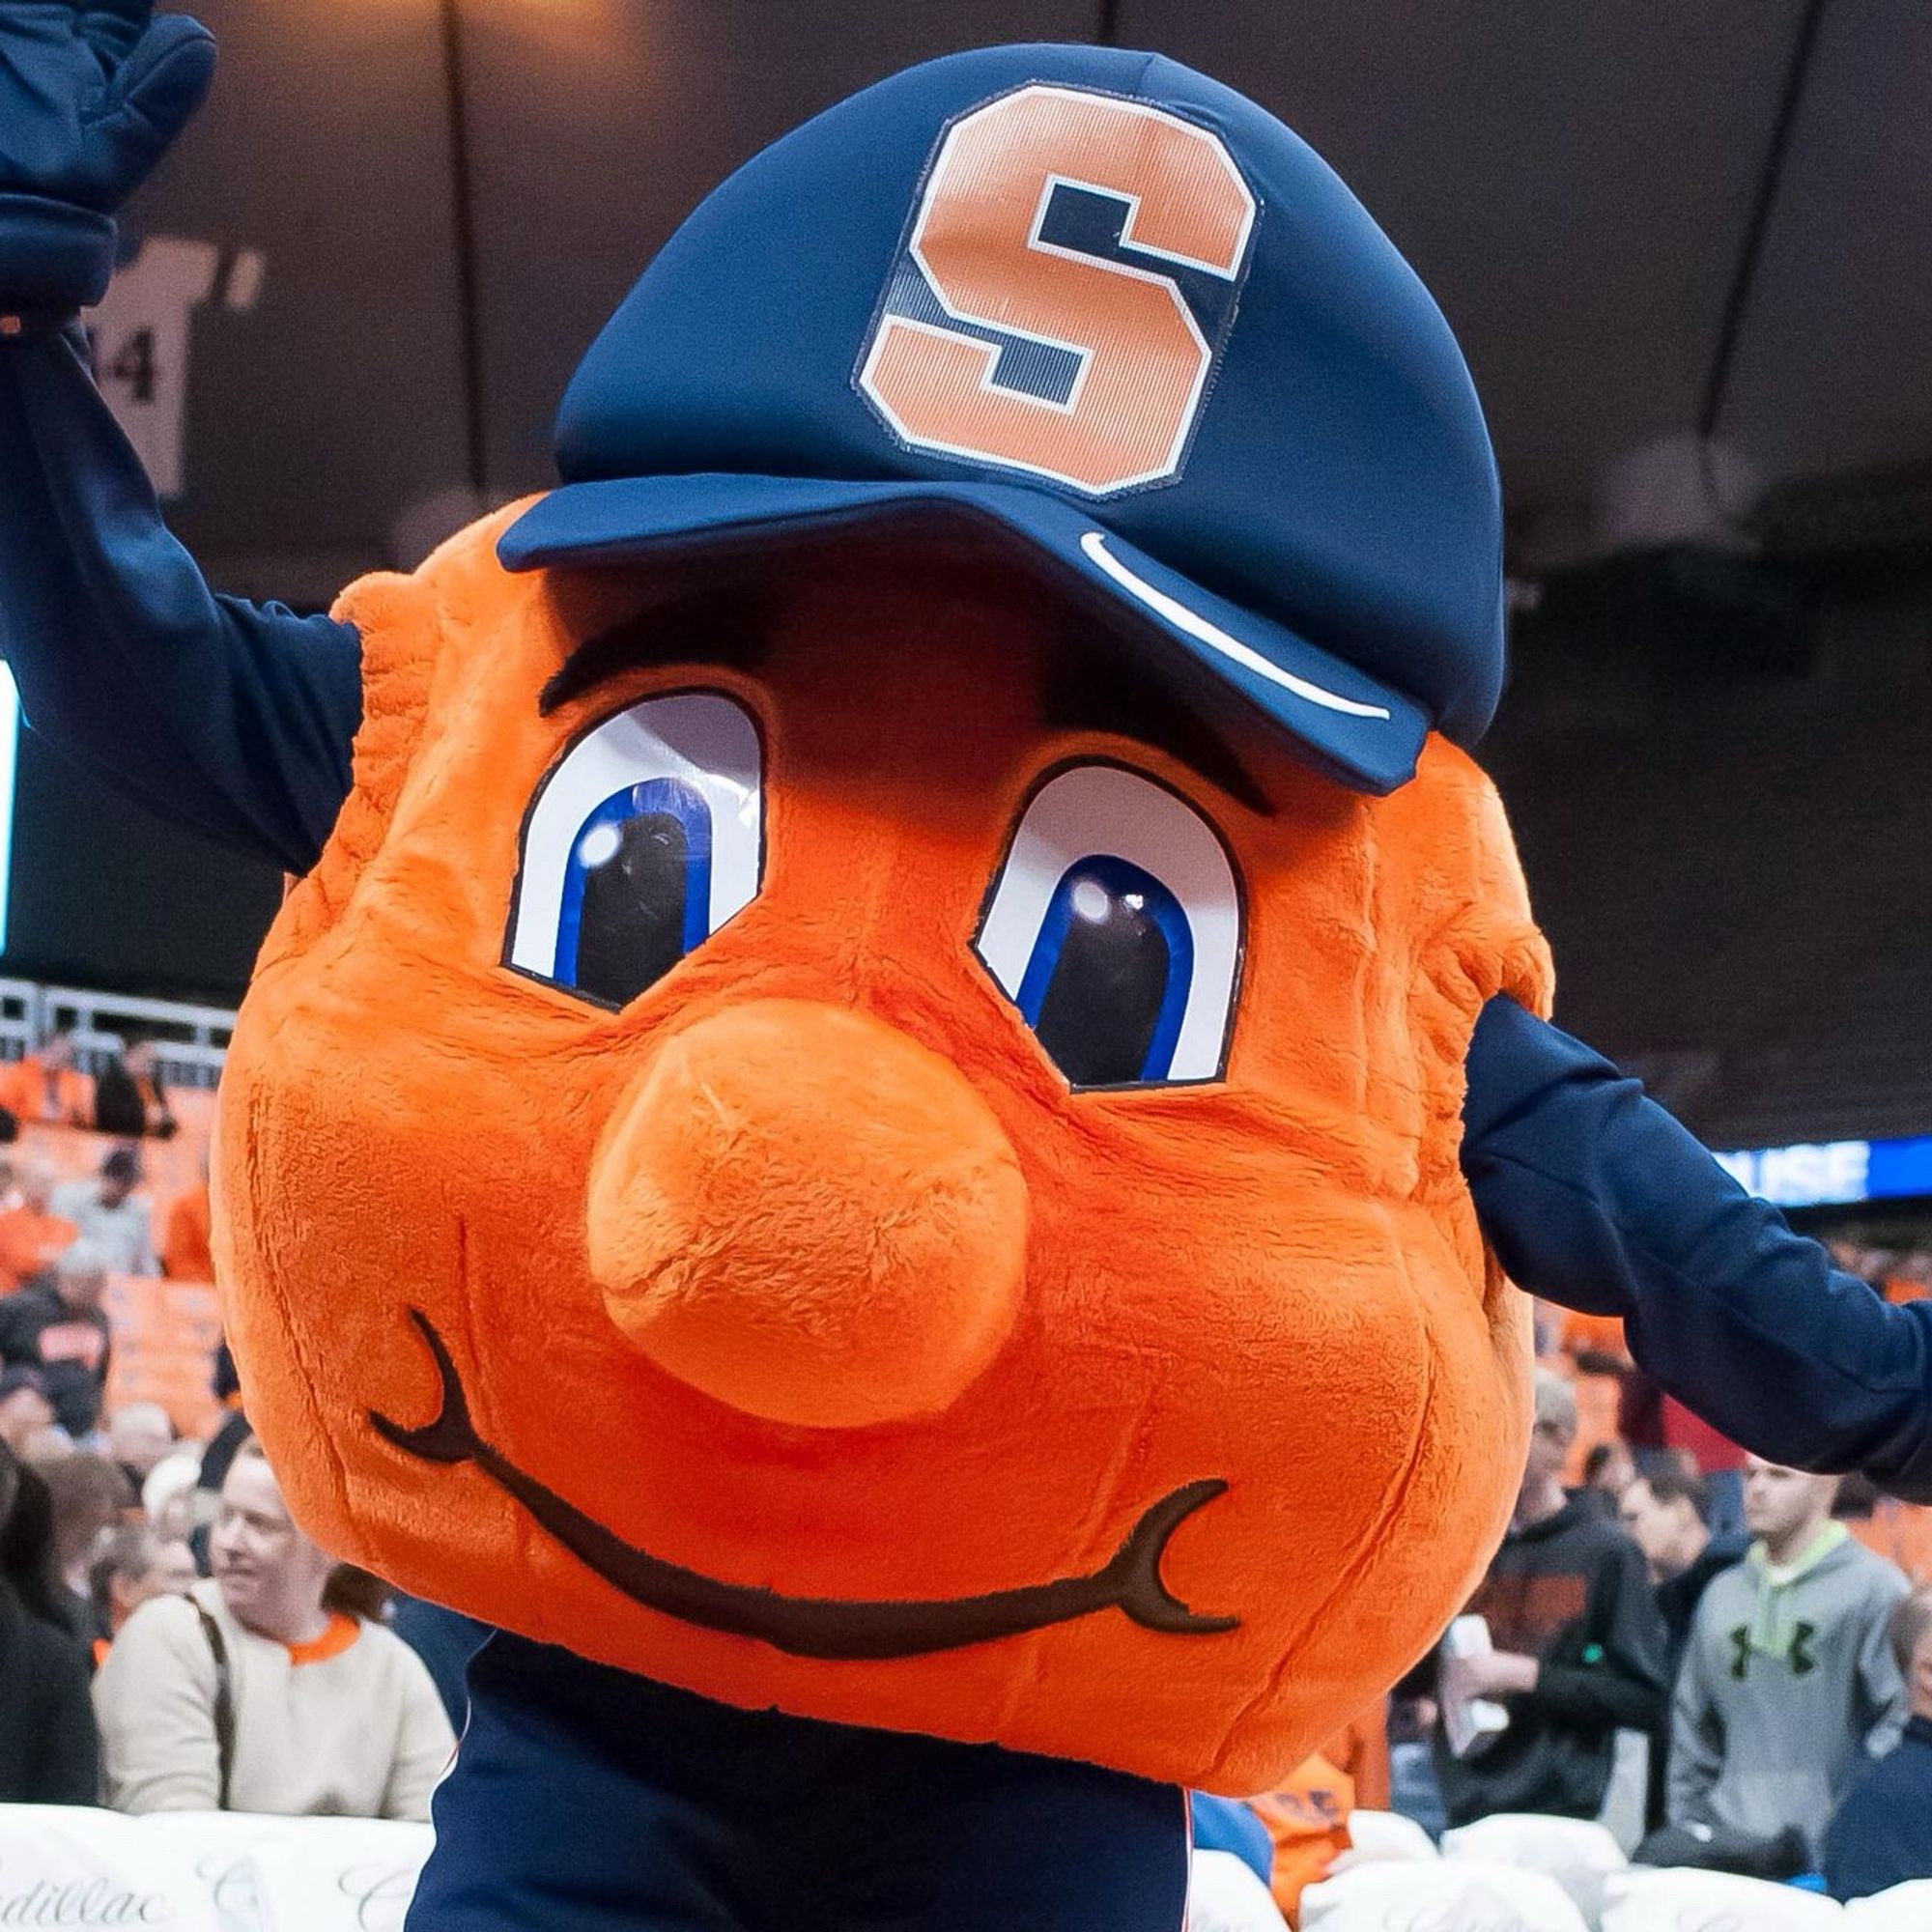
(1683, 247)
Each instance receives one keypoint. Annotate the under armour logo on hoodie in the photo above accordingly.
(1799, 1656)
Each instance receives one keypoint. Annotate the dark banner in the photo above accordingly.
(106, 895)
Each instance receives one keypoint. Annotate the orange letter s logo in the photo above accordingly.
(1068, 281)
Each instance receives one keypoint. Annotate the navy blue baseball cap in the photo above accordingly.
(1109, 310)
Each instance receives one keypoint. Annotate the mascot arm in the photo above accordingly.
(1595, 1197)
(232, 718)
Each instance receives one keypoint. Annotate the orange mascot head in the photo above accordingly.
(862, 1114)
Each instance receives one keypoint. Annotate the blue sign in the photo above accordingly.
(1833, 1172)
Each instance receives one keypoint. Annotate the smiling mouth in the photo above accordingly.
(834, 1628)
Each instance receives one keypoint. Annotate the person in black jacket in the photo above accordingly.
(129, 1100)
(57, 1325)
(1578, 1646)
(1668, 1516)
(49, 1751)
(1881, 1835)
(1667, 1513)
(27, 1547)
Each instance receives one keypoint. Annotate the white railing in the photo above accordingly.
(19, 1017)
(190, 1042)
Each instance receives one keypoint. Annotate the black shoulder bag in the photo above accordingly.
(224, 1699)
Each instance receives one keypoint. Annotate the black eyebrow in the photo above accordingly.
(1086, 687)
(713, 628)
(1086, 683)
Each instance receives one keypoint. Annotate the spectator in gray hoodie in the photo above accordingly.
(1789, 1685)
(110, 1216)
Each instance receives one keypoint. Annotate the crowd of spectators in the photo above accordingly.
(54, 1329)
(43, 1217)
(169, 1639)
(47, 1087)
(1575, 1651)
(199, 1655)
(1731, 1662)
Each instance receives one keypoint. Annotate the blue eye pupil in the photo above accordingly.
(1107, 983)
(636, 895)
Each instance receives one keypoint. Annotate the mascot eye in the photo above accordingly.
(1115, 927)
(644, 838)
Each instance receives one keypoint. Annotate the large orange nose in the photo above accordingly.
(810, 1216)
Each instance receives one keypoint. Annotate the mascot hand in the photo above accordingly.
(91, 95)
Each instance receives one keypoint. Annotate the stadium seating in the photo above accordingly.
(165, 1334)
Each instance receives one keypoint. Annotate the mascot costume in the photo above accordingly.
(893, 1117)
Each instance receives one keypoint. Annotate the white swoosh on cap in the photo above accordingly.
(1198, 627)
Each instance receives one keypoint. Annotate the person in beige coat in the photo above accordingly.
(249, 1694)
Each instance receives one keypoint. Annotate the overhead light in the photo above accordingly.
(1680, 492)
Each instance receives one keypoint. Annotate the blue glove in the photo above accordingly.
(91, 96)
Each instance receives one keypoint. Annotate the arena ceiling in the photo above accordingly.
(1578, 181)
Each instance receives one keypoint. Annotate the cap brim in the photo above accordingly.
(1361, 732)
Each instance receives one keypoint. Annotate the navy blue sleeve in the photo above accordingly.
(232, 718)
(1593, 1196)
(1861, 1849)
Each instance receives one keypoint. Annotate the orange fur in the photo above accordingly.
(1276, 1280)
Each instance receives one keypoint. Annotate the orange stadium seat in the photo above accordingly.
(1901, 1534)
(165, 1334)
(1596, 1398)
(171, 1166)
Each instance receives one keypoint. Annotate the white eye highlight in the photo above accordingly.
(1114, 925)
(643, 839)
(599, 845)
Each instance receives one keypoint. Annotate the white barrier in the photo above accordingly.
(1905, 1908)
(1578, 1853)
(340, 1875)
(1640, 1900)
(193, 1871)
(1224, 1895)
(1384, 1838)
(63, 1865)
(1446, 1896)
